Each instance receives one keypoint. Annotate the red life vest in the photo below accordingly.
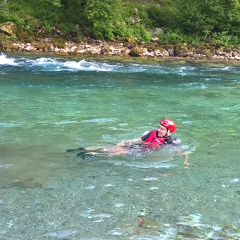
(154, 141)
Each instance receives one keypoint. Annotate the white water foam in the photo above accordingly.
(4, 60)
(87, 66)
(58, 64)
(54, 64)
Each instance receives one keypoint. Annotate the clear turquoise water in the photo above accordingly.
(49, 104)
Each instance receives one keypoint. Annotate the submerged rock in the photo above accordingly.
(152, 224)
(61, 234)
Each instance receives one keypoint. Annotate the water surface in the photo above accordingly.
(49, 104)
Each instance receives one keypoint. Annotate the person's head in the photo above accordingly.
(167, 127)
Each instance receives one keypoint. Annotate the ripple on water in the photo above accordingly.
(100, 120)
(8, 125)
(144, 165)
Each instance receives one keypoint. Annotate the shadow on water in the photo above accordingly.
(31, 166)
(28, 166)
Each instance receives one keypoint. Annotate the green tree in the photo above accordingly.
(103, 17)
(190, 17)
(56, 3)
(225, 15)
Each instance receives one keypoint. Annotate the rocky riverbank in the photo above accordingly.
(125, 49)
(11, 40)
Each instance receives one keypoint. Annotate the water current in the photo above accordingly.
(49, 104)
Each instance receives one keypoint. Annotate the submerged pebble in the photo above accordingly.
(99, 220)
(100, 216)
(234, 180)
(150, 179)
(90, 187)
(171, 233)
(152, 224)
(86, 213)
(196, 217)
(118, 205)
(61, 233)
(10, 223)
(108, 185)
(116, 232)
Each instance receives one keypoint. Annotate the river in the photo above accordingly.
(49, 104)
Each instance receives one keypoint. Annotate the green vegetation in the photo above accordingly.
(195, 22)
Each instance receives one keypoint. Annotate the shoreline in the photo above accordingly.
(14, 40)
(124, 52)
(128, 59)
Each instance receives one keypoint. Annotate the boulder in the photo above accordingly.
(136, 52)
(9, 28)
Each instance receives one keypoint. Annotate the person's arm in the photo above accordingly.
(137, 140)
(181, 153)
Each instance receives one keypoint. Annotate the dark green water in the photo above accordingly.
(48, 105)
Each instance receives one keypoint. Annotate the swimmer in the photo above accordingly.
(156, 138)
(148, 142)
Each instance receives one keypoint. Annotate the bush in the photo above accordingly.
(160, 16)
(223, 39)
(187, 21)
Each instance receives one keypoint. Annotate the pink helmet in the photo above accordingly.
(169, 124)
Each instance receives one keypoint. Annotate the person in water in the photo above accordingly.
(156, 138)
(148, 142)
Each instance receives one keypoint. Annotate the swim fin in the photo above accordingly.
(86, 155)
(81, 155)
(76, 150)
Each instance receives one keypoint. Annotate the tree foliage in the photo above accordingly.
(4, 2)
(56, 3)
(188, 20)
(102, 17)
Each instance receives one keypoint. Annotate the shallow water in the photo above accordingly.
(48, 105)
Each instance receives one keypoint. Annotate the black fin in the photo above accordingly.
(81, 155)
(76, 150)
